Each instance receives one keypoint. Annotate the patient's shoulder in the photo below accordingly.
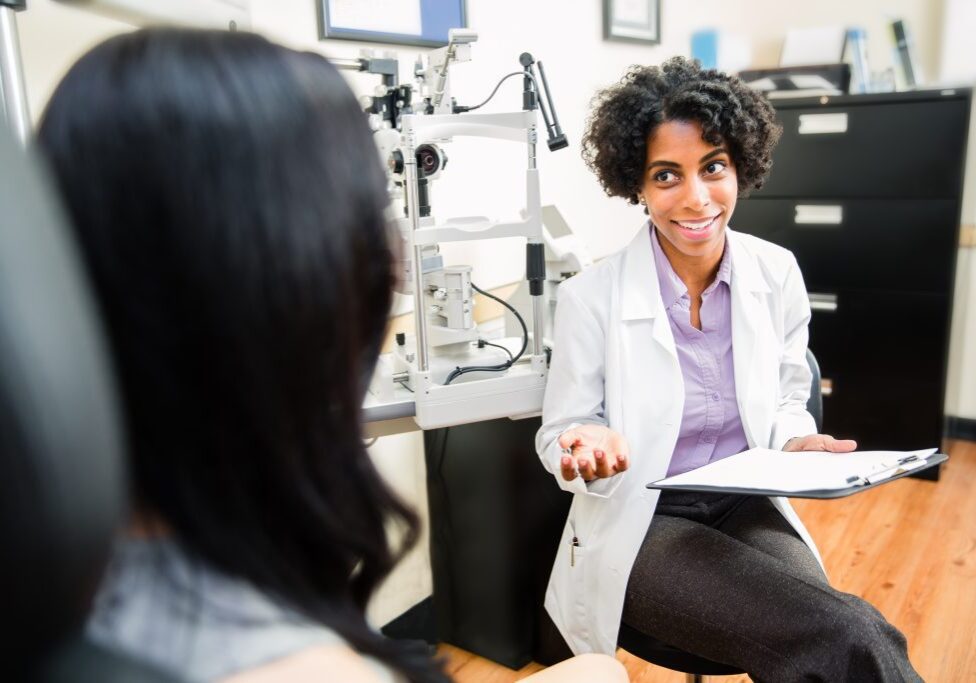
(333, 662)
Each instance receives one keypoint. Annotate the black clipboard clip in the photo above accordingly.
(903, 466)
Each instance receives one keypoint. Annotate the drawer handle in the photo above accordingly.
(826, 386)
(823, 302)
(823, 124)
(818, 214)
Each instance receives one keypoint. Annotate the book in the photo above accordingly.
(856, 51)
(905, 54)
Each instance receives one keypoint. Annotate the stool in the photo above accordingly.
(661, 654)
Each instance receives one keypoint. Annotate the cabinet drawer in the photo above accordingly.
(890, 414)
(867, 244)
(908, 150)
(880, 334)
(882, 357)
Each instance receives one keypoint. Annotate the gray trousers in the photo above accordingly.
(727, 578)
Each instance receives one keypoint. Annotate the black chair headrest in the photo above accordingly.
(62, 482)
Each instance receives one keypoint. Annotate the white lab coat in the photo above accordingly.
(614, 363)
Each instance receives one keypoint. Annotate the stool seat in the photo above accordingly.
(661, 654)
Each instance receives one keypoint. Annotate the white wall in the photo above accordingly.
(958, 64)
(567, 36)
(764, 22)
(957, 59)
(961, 380)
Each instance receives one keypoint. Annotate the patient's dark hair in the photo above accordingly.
(627, 113)
(229, 201)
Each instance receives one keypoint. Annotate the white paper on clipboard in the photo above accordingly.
(762, 468)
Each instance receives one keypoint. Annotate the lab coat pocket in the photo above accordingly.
(577, 552)
(577, 573)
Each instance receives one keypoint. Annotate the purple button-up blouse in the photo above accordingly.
(711, 428)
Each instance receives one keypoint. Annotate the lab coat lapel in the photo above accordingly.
(640, 296)
(748, 315)
(651, 387)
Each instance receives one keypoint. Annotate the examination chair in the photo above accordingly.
(61, 449)
(496, 519)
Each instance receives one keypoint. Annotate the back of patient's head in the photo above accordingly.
(229, 201)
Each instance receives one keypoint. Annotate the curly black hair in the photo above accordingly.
(624, 116)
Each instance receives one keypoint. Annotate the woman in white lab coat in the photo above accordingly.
(686, 347)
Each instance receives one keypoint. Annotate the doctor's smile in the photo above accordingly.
(697, 231)
(696, 226)
(689, 190)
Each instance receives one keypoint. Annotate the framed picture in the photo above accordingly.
(423, 23)
(632, 21)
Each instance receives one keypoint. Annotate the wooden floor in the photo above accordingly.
(908, 547)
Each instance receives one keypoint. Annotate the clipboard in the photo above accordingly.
(862, 483)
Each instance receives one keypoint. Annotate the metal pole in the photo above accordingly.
(347, 64)
(12, 77)
(413, 211)
(537, 325)
(537, 311)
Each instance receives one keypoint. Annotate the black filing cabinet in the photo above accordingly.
(866, 191)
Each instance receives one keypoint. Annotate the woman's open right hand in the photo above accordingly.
(593, 452)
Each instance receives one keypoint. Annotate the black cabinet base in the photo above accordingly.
(931, 474)
(496, 517)
(961, 428)
(417, 623)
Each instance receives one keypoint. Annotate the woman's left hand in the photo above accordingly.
(820, 442)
